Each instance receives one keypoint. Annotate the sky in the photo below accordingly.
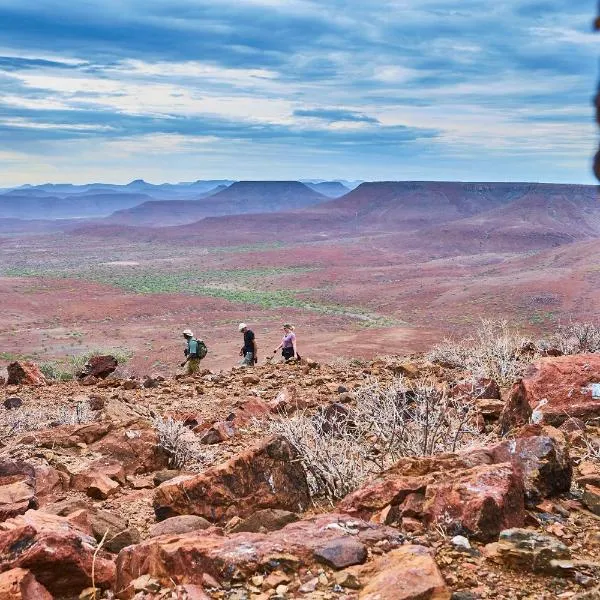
(179, 90)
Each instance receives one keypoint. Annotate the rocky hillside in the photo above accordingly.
(401, 478)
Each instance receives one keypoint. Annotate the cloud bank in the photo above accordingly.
(280, 89)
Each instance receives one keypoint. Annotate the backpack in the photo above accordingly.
(201, 349)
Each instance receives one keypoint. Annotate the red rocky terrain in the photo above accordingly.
(179, 487)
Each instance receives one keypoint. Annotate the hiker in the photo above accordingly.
(194, 352)
(288, 343)
(249, 350)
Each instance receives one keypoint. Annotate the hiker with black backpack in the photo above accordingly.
(194, 352)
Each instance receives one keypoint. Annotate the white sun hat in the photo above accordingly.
(188, 332)
(242, 326)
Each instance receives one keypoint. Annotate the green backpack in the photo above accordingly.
(201, 350)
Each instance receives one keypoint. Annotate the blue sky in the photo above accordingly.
(176, 90)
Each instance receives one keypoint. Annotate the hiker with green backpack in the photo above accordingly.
(194, 352)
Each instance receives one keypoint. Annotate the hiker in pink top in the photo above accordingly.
(288, 343)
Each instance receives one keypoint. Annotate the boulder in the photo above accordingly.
(478, 490)
(99, 367)
(465, 494)
(195, 557)
(59, 555)
(21, 584)
(24, 373)
(17, 489)
(407, 573)
(540, 454)
(477, 502)
(565, 384)
(265, 476)
(528, 550)
(135, 446)
(179, 525)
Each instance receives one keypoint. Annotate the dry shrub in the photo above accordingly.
(391, 421)
(577, 338)
(449, 354)
(175, 439)
(494, 352)
(24, 419)
(592, 448)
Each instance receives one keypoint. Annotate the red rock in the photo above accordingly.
(464, 493)
(94, 484)
(341, 553)
(572, 424)
(49, 484)
(59, 554)
(540, 454)
(24, 373)
(130, 384)
(135, 446)
(217, 433)
(99, 366)
(478, 502)
(591, 499)
(251, 379)
(588, 473)
(17, 489)
(565, 383)
(111, 468)
(481, 389)
(21, 584)
(268, 519)
(517, 411)
(250, 409)
(179, 525)
(189, 557)
(266, 476)
(68, 436)
(288, 401)
(408, 573)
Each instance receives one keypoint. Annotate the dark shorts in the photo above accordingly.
(287, 353)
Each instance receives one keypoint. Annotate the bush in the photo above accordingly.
(577, 338)
(173, 438)
(448, 354)
(494, 352)
(341, 452)
(55, 371)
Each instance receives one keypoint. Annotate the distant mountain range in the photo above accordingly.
(100, 200)
(435, 217)
(242, 197)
